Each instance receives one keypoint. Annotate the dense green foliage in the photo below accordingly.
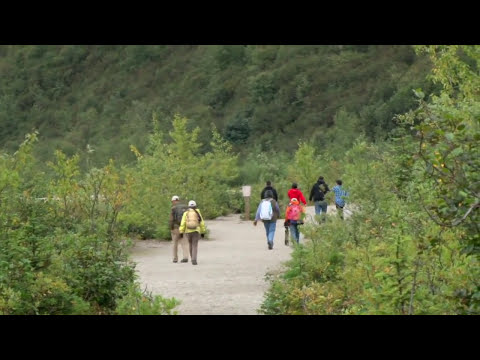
(229, 115)
(388, 258)
(449, 131)
(60, 248)
(256, 95)
(411, 245)
(177, 167)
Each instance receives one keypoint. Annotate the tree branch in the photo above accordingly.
(459, 221)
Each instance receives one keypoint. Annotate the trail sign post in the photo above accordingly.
(246, 190)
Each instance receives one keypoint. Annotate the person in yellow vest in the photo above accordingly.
(193, 226)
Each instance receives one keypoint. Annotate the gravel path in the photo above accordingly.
(230, 276)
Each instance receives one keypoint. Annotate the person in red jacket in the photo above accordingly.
(297, 194)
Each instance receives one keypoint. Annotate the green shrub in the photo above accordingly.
(387, 258)
(177, 168)
(144, 303)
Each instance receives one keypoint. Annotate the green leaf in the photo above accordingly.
(450, 136)
(419, 93)
(457, 151)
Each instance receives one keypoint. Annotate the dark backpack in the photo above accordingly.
(178, 211)
(323, 188)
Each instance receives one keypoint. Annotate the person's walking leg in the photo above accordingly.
(267, 228)
(189, 237)
(293, 232)
(339, 211)
(297, 234)
(195, 237)
(324, 206)
(271, 232)
(184, 244)
(175, 237)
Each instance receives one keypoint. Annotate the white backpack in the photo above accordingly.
(266, 211)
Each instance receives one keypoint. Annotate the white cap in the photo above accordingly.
(294, 199)
(192, 203)
(175, 197)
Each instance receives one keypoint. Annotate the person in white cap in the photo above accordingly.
(193, 227)
(176, 215)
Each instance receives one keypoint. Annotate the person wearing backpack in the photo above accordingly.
(269, 187)
(176, 215)
(268, 211)
(193, 226)
(293, 217)
(317, 194)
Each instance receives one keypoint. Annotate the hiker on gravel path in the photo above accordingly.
(176, 215)
(317, 194)
(268, 211)
(193, 227)
(294, 217)
(340, 196)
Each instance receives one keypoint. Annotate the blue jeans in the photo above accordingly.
(320, 206)
(295, 233)
(270, 230)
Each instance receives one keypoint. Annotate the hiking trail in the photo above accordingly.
(230, 276)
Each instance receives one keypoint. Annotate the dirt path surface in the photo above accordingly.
(230, 276)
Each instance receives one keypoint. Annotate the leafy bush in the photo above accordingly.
(144, 303)
(177, 168)
(60, 246)
(262, 87)
(387, 258)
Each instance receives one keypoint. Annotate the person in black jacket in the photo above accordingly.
(317, 194)
(269, 187)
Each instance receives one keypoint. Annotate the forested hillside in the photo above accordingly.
(268, 96)
(123, 128)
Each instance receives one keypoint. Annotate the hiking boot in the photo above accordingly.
(184, 260)
(270, 246)
(175, 261)
(194, 262)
